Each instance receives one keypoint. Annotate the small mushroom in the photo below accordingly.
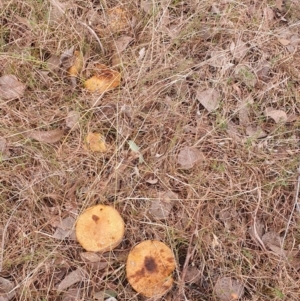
(228, 289)
(100, 228)
(149, 267)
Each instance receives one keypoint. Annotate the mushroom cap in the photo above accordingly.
(104, 80)
(100, 228)
(149, 267)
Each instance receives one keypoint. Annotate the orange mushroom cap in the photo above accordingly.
(100, 228)
(149, 267)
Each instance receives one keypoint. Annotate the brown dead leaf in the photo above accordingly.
(192, 275)
(277, 115)
(284, 42)
(6, 287)
(188, 157)
(269, 13)
(271, 238)
(122, 43)
(72, 120)
(161, 207)
(238, 49)
(104, 80)
(70, 279)
(209, 99)
(51, 136)
(95, 142)
(228, 289)
(53, 63)
(263, 71)
(220, 59)
(65, 228)
(90, 256)
(10, 87)
(255, 132)
(148, 6)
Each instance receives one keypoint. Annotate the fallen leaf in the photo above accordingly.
(263, 71)
(90, 256)
(255, 132)
(70, 279)
(238, 49)
(161, 207)
(10, 87)
(220, 59)
(65, 228)
(277, 115)
(192, 275)
(6, 287)
(104, 80)
(53, 63)
(269, 13)
(228, 289)
(233, 131)
(209, 99)
(95, 142)
(189, 156)
(148, 6)
(122, 43)
(284, 42)
(72, 120)
(51, 136)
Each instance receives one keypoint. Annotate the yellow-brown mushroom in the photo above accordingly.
(149, 268)
(100, 228)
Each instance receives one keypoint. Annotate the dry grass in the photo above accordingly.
(243, 178)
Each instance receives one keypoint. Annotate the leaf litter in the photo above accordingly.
(209, 98)
(228, 289)
(277, 115)
(161, 207)
(51, 136)
(188, 157)
(10, 87)
(72, 278)
(6, 289)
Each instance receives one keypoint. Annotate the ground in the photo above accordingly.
(205, 124)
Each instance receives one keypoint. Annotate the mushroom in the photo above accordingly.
(100, 228)
(228, 289)
(149, 267)
(104, 80)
